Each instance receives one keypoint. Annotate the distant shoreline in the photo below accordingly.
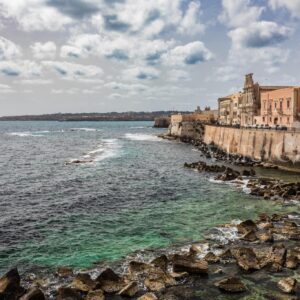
(112, 116)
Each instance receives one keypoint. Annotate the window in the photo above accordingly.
(288, 102)
(264, 119)
(288, 120)
(275, 104)
(270, 119)
(280, 104)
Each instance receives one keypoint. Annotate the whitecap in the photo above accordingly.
(87, 129)
(25, 134)
(141, 137)
(138, 127)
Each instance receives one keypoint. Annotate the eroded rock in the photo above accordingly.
(231, 285)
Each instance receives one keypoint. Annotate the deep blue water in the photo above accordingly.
(132, 193)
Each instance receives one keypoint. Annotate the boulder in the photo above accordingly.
(228, 175)
(161, 262)
(64, 272)
(265, 237)
(179, 276)
(110, 282)
(246, 226)
(136, 267)
(148, 296)
(155, 285)
(292, 260)
(129, 290)
(246, 258)
(210, 257)
(83, 282)
(65, 293)
(10, 287)
(190, 265)
(288, 285)
(95, 295)
(250, 236)
(33, 294)
(280, 296)
(231, 285)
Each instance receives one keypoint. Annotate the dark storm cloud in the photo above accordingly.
(194, 58)
(77, 9)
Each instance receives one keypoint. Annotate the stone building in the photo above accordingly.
(281, 107)
(229, 113)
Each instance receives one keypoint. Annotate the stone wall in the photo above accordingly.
(279, 147)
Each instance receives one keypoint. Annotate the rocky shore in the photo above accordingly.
(261, 261)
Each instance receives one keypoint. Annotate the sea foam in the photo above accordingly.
(141, 137)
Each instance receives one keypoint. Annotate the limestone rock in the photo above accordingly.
(83, 282)
(231, 285)
(65, 293)
(210, 257)
(129, 290)
(33, 294)
(10, 287)
(148, 296)
(246, 226)
(95, 295)
(64, 272)
(110, 282)
(246, 258)
(250, 236)
(161, 262)
(189, 265)
(288, 285)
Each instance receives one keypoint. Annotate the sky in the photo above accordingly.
(141, 55)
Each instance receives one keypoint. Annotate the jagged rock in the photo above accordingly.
(154, 284)
(250, 236)
(210, 257)
(292, 260)
(246, 258)
(265, 237)
(288, 285)
(179, 276)
(198, 248)
(161, 262)
(280, 296)
(95, 295)
(64, 272)
(246, 226)
(278, 254)
(189, 265)
(129, 290)
(65, 293)
(33, 294)
(248, 173)
(148, 296)
(10, 287)
(231, 285)
(138, 267)
(83, 282)
(110, 282)
(228, 175)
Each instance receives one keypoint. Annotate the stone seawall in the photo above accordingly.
(186, 130)
(279, 147)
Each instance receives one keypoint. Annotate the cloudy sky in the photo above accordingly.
(121, 55)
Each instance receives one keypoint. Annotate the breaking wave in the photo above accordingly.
(85, 129)
(141, 137)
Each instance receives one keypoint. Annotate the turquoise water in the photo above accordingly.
(132, 193)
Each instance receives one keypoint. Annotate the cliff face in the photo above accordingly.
(186, 130)
(279, 147)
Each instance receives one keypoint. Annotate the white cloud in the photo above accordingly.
(238, 13)
(20, 68)
(34, 15)
(68, 70)
(293, 6)
(189, 54)
(38, 81)
(9, 50)
(178, 75)
(44, 51)
(140, 73)
(259, 34)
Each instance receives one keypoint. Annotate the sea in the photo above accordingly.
(128, 191)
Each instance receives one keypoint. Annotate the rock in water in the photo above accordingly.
(95, 295)
(33, 294)
(231, 285)
(64, 272)
(10, 287)
(189, 265)
(288, 285)
(246, 258)
(246, 226)
(161, 262)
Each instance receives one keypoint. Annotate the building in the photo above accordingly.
(229, 113)
(280, 107)
(204, 116)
